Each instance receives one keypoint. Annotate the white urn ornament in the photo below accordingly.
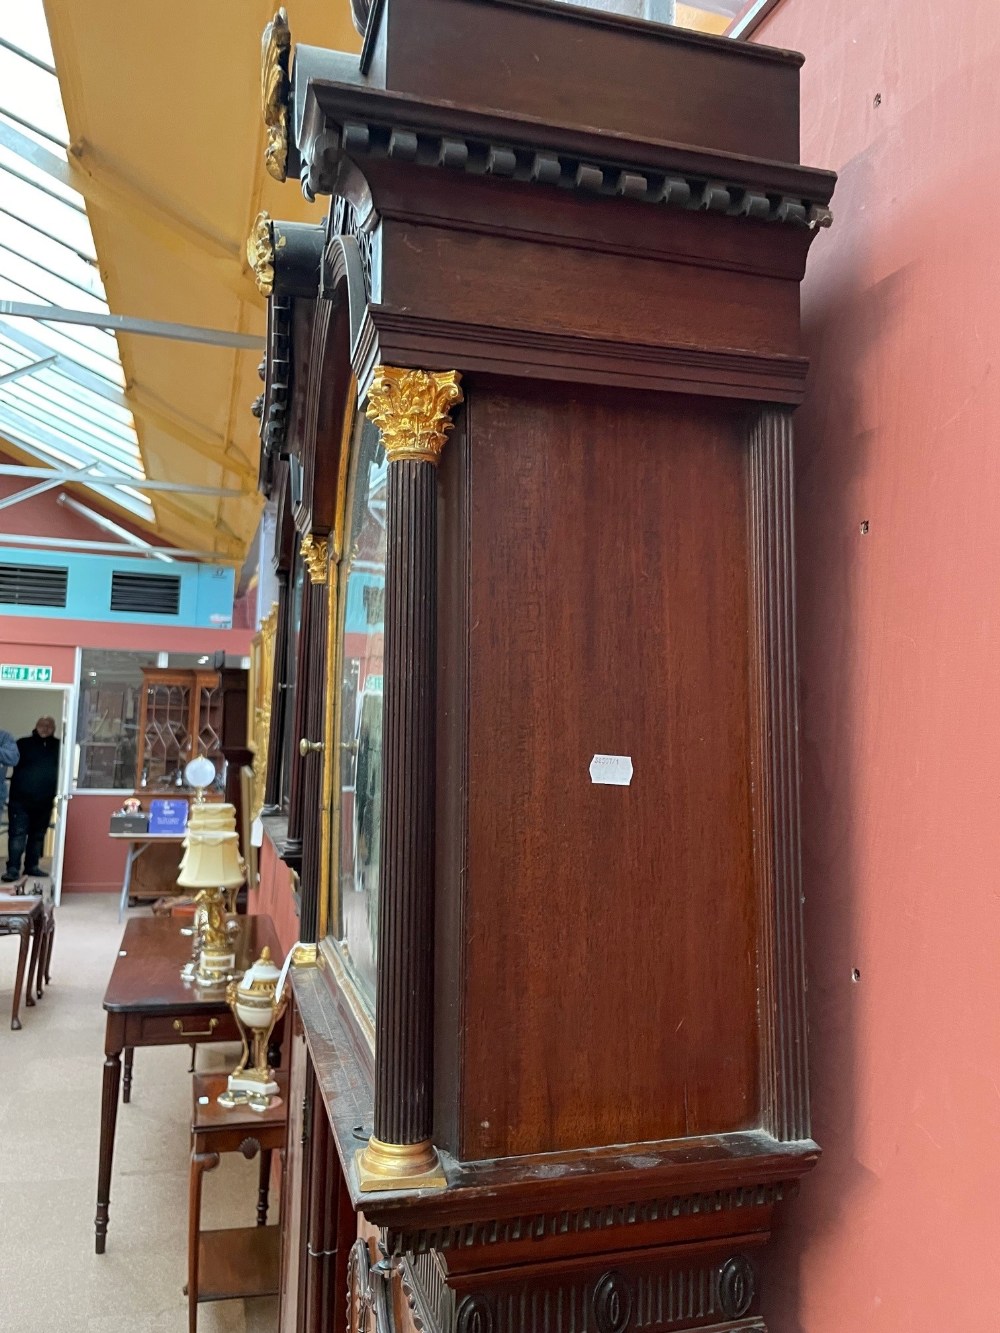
(257, 1006)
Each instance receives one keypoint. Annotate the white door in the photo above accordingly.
(64, 793)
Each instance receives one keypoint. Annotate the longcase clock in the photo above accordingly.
(549, 1060)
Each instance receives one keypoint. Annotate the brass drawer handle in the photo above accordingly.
(309, 747)
(213, 1023)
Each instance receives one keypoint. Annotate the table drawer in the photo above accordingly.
(163, 1030)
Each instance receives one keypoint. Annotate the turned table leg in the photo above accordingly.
(109, 1116)
(24, 930)
(127, 1082)
(200, 1163)
(263, 1187)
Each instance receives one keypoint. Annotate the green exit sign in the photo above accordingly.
(34, 675)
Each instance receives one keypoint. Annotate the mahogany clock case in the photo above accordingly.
(612, 1025)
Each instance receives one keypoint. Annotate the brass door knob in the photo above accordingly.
(309, 747)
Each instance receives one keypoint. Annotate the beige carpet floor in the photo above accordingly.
(51, 1281)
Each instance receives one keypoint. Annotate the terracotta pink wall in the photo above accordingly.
(899, 639)
(58, 640)
(92, 862)
(19, 642)
(274, 897)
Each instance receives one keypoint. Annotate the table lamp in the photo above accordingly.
(211, 864)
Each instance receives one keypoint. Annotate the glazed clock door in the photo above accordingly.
(306, 819)
(358, 786)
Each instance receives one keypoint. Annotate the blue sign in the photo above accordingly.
(167, 816)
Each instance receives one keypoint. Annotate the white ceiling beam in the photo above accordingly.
(26, 55)
(30, 423)
(102, 479)
(40, 157)
(114, 548)
(70, 369)
(51, 236)
(49, 484)
(27, 370)
(107, 525)
(88, 287)
(152, 328)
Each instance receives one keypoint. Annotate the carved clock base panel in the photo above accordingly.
(641, 1290)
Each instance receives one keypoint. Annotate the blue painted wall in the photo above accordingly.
(206, 592)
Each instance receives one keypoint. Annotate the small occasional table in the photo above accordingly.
(148, 1004)
(137, 844)
(238, 1261)
(22, 916)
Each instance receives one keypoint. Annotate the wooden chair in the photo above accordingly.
(23, 916)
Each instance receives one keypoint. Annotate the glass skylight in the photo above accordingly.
(61, 385)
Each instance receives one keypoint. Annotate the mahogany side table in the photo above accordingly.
(238, 1261)
(148, 1004)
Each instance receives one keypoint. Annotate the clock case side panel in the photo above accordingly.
(452, 785)
(775, 994)
(591, 918)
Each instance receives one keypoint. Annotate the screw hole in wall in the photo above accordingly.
(856, 974)
(877, 100)
(864, 526)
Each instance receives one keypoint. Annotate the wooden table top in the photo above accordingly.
(211, 1115)
(12, 905)
(146, 977)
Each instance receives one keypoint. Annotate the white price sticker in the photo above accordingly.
(611, 770)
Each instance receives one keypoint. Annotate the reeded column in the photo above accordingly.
(777, 848)
(411, 409)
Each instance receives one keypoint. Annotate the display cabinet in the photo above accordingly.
(527, 414)
(180, 718)
(184, 713)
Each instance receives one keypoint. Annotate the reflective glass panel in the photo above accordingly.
(361, 602)
(291, 741)
(107, 738)
(108, 719)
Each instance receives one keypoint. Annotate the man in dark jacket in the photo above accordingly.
(32, 791)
